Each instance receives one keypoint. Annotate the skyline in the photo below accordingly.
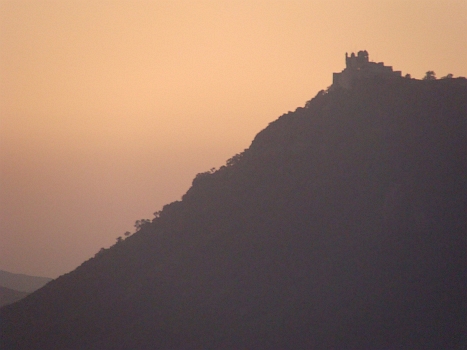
(109, 109)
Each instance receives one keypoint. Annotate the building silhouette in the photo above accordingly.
(359, 67)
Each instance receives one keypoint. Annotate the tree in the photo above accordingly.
(449, 76)
(140, 223)
(430, 75)
(100, 252)
(234, 160)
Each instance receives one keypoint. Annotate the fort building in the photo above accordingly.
(359, 67)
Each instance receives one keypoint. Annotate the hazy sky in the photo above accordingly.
(108, 109)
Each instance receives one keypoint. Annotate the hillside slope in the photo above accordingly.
(342, 226)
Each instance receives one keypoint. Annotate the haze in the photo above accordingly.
(109, 109)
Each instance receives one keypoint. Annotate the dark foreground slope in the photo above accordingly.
(342, 226)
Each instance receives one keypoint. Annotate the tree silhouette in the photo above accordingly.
(139, 224)
(430, 75)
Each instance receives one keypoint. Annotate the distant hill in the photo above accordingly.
(8, 296)
(22, 283)
(342, 226)
(14, 287)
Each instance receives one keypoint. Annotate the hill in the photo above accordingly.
(342, 226)
(22, 283)
(8, 296)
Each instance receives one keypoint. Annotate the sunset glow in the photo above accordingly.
(108, 109)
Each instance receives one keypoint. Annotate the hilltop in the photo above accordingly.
(342, 226)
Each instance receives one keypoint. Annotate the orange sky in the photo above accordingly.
(108, 109)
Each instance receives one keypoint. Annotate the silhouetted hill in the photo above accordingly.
(342, 226)
(22, 283)
(8, 296)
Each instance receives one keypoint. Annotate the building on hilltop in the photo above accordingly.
(359, 67)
